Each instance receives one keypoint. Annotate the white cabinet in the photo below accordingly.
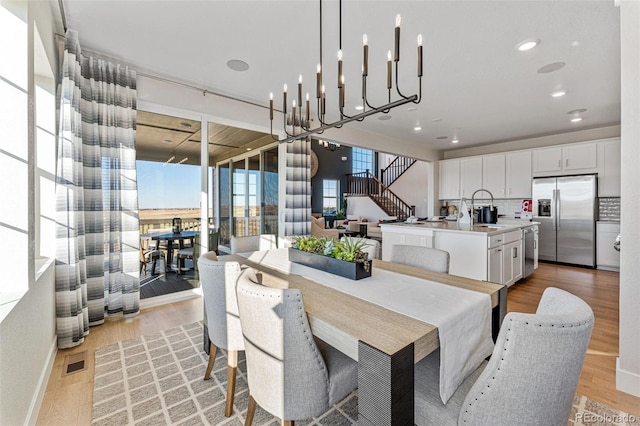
(504, 261)
(494, 175)
(470, 176)
(609, 173)
(518, 174)
(606, 256)
(449, 179)
(507, 175)
(570, 159)
(460, 177)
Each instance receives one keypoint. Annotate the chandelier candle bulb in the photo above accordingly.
(293, 114)
(419, 55)
(318, 81)
(339, 69)
(397, 39)
(365, 62)
(307, 109)
(284, 102)
(389, 70)
(271, 106)
(342, 89)
(323, 102)
(300, 93)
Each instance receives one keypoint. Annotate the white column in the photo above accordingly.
(628, 365)
(204, 187)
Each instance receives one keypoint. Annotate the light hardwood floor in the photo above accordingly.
(68, 399)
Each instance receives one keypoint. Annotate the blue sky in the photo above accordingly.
(173, 186)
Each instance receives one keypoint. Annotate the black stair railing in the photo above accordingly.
(365, 184)
(395, 169)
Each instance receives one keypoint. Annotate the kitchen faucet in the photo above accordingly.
(472, 201)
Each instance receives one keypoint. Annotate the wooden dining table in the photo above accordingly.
(385, 343)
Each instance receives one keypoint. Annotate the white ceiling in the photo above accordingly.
(474, 80)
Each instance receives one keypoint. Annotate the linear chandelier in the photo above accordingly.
(297, 123)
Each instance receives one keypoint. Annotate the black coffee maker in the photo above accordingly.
(176, 225)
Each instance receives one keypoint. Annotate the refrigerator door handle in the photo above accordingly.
(553, 210)
(558, 209)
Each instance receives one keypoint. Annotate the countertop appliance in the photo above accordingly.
(566, 209)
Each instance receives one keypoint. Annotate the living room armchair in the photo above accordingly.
(318, 229)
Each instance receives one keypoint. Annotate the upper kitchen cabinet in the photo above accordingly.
(609, 173)
(460, 177)
(507, 175)
(449, 179)
(570, 159)
(470, 175)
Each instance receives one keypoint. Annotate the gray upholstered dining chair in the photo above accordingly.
(422, 257)
(291, 374)
(531, 377)
(218, 281)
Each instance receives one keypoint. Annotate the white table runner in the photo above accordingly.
(463, 317)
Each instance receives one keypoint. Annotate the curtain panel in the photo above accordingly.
(298, 188)
(97, 226)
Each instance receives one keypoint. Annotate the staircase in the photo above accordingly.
(367, 185)
(395, 169)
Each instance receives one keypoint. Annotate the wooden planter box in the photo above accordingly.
(351, 270)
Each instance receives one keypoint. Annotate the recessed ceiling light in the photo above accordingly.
(442, 138)
(555, 66)
(455, 140)
(248, 149)
(185, 124)
(435, 120)
(412, 108)
(575, 43)
(384, 117)
(576, 119)
(359, 108)
(576, 111)
(558, 93)
(167, 141)
(417, 128)
(237, 65)
(527, 44)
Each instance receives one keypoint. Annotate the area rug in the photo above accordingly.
(157, 380)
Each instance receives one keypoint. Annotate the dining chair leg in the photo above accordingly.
(251, 411)
(212, 358)
(286, 422)
(232, 365)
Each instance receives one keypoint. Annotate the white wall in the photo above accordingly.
(413, 187)
(27, 324)
(364, 207)
(557, 139)
(628, 368)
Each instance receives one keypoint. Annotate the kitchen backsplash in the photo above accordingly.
(609, 209)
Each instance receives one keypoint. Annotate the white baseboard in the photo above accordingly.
(170, 298)
(36, 402)
(626, 381)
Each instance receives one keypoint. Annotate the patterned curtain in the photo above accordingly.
(97, 247)
(298, 188)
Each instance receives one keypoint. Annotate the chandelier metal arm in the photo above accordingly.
(419, 98)
(340, 123)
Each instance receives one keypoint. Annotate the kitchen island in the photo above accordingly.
(486, 252)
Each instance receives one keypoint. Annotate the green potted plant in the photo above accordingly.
(345, 258)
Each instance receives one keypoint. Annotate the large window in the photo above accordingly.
(362, 160)
(329, 196)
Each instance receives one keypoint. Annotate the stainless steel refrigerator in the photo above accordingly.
(566, 209)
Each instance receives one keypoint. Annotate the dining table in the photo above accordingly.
(390, 321)
(175, 238)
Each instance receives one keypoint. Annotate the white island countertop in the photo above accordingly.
(453, 226)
